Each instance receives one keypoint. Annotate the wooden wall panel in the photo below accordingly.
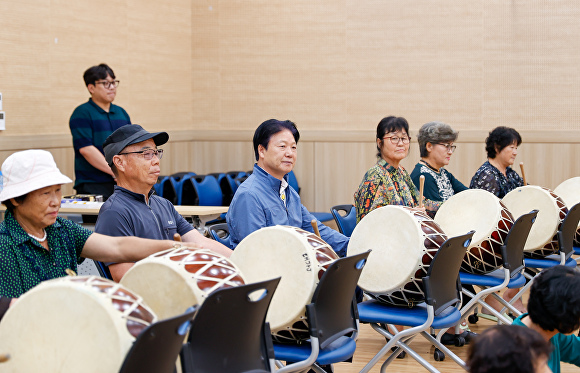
(211, 72)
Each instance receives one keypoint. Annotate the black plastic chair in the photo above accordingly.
(332, 318)
(347, 221)
(229, 333)
(509, 276)
(156, 349)
(442, 293)
(220, 232)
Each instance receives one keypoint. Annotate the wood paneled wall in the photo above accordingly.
(210, 71)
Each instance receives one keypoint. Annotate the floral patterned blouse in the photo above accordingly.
(489, 178)
(385, 185)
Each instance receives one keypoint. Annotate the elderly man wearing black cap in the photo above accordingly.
(133, 209)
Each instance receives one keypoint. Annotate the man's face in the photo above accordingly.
(100, 93)
(138, 172)
(280, 157)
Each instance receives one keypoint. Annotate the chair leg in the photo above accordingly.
(383, 351)
(444, 348)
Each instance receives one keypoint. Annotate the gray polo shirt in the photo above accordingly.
(128, 214)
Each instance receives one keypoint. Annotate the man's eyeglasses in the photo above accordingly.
(108, 84)
(147, 154)
(395, 139)
(450, 148)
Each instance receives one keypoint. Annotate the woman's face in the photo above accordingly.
(439, 154)
(391, 152)
(507, 155)
(40, 207)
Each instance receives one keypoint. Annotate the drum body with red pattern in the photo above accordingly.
(72, 324)
(552, 210)
(171, 281)
(300, 258)
(569, 191)
(403, 243)
(483, 212)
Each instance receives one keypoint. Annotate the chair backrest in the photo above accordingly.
(441, 285)
(568, 231)
(220, 232)
(230, 333)
(293, 181)
(103, 270)
(156, 349)
(166, 189)
(159, 186)
(201, 190)
(333, 311)
(228, 186)
(346, 222)
(513, 249)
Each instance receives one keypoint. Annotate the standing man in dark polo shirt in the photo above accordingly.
(90, 124)
(133, 209)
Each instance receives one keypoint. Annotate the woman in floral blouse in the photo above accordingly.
(496, 175)
(388, 183)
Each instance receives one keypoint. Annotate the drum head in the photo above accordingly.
(527, 198)
(569, 191)
(280, 251)
(396, 241)
(172, 281)
(61, 326)
(472, 209)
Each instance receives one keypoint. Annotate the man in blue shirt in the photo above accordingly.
(90, 124)
(265, 199)
(554, 312)
(134, 210)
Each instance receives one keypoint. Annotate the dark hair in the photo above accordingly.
(507, 348)
(499, 138)
(268, 129)
(97, 73)
(554, 302)
(435, 133)
(9, 206)
(390, 124)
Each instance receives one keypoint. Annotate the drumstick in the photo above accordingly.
(70, 272)
(421, 189)
(315, 227)
(176, 237)
(523, 173)
(4, 357)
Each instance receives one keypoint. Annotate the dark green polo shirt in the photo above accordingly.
(91, 125)
(24, 263)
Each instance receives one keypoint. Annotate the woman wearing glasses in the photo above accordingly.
(436, 146)
(387, 182)
(496, 175)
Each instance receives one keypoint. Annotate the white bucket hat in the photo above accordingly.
(29, 170)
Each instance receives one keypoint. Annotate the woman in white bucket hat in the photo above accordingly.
(36, 244)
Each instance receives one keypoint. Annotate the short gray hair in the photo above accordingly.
(435, 133)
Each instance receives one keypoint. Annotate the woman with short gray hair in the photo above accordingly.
(436, 146)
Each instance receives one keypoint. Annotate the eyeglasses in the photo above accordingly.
(450, 148)
(395, 139)
(109, 83)
(147, 154)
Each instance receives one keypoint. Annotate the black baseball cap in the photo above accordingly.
(128, 135)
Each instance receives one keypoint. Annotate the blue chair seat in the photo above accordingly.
(340, 350)
(494, 278)
(576, 250)
(322, 216)
(547, 262)
(375, 312)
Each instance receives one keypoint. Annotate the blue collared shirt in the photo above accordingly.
(257, 204)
